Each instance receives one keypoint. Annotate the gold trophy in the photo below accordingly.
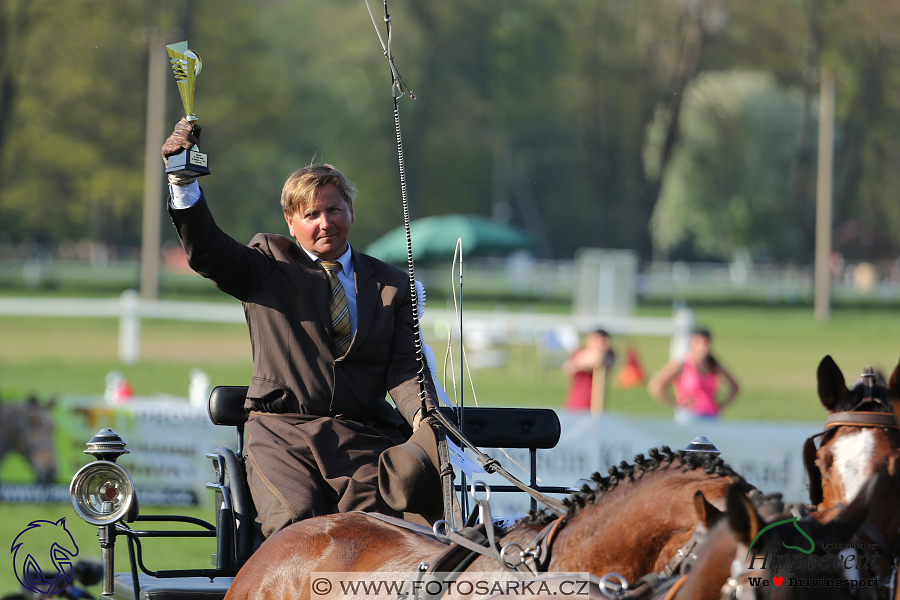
(186, 64)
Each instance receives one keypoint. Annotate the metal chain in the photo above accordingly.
(398, 90)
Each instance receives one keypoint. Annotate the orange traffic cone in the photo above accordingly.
(631, 374)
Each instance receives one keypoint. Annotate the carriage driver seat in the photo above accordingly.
(237, 534)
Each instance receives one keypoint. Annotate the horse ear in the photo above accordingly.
(848, 521)
(832, 387)
(742, 517)
(708, 514)
(894, 383)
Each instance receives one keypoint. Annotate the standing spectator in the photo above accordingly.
(587, 367)
(695, 382)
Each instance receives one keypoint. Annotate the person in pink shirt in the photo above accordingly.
(695, 382)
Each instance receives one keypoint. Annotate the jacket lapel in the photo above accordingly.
(366, 298)
(317, 282)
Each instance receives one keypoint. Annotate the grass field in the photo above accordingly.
(773, 352)
(184, 553)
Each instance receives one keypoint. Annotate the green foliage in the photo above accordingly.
(536, 112)
(726, 187)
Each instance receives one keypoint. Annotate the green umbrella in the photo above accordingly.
(434, 238)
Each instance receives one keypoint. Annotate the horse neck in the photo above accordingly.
(11, 429)
(713, 566)
(638, 526)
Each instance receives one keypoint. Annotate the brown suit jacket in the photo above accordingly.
(285, 299)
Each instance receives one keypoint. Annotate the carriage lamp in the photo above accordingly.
(102, 493)
(701, 443)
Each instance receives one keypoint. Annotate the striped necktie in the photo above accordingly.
(340, 311)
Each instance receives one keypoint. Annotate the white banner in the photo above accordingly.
(169, 440)
(767, 454)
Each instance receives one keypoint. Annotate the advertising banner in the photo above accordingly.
(169, 439)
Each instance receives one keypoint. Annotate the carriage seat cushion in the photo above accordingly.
(510, 427)
(174, 588)
(226, 405)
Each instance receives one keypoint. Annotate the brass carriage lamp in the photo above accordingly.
(102, 494)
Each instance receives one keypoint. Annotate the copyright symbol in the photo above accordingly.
(321, 586)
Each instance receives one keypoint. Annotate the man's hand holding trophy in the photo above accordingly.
(181, 151)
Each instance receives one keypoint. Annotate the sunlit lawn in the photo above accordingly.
(773, 352)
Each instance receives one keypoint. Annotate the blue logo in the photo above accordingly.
(42, 566)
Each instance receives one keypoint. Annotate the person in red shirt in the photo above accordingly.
(581, 366)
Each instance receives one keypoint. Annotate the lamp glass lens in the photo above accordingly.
(103, 493)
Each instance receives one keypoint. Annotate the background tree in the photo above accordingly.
(726, 186)
(536, 113)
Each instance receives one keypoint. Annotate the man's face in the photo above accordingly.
(323, 226)
(598, 342)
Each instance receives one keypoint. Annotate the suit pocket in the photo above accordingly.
(270, 396)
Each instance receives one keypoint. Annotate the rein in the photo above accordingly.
(398, 90)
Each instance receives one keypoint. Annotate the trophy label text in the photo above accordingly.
(197, 158)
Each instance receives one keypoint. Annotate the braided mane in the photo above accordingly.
(663, 457)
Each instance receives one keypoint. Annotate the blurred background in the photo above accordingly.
(637, 159)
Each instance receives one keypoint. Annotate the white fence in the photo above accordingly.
(130, 309)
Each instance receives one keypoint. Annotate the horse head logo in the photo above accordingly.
(30, 562)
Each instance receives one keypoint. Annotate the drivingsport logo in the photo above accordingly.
(42, 556)
(801, 568)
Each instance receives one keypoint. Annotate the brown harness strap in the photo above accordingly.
(861, 419)
(456, 557)
(675, 587)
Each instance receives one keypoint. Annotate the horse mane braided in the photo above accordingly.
(663, 457)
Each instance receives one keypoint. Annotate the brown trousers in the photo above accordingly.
(301, 466)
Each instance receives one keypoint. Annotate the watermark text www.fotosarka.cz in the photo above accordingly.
(336, 585)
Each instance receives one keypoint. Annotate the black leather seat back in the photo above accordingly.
(510, 427)
(226, 405)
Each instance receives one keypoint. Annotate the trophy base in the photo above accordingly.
(188, 164)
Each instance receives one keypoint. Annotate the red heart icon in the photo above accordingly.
(777, 581)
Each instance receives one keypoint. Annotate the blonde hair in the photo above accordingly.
(300, 189)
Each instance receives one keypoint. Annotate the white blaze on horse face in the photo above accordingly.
(853, 460)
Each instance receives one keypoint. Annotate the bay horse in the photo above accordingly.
(727, 568)
(632, 522)
(27, 428)
(860, 439)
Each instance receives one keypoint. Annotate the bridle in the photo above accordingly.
(851, 418)
(738, 585)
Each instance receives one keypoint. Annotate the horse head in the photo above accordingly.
(27, 428)
(31, 547)
(758, 550)
(860, 437)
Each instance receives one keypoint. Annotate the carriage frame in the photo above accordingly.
(233, 527)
